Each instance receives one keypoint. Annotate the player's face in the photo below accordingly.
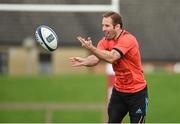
(108, 28)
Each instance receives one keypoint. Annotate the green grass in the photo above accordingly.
(52, 89)
(67, 88)
(21, 116)
(163, 88)
(164, 97)
(77, 117)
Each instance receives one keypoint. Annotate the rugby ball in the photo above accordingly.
(47, 38)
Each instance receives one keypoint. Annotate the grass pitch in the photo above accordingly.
(163, 88)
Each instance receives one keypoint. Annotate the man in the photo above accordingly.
(121, 49)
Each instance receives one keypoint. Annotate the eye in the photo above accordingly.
(106, 25)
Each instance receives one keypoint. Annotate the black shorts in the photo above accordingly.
(122, 103)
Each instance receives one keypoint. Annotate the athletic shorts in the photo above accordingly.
(133, 103)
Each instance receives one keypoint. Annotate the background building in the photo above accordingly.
(154, 23)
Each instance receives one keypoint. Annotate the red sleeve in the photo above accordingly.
(125, 44)
(101, 45)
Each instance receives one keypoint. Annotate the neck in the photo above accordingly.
(118, 33)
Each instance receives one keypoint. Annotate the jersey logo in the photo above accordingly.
(139, 111)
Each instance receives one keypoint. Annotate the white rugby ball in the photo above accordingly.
(47, 38)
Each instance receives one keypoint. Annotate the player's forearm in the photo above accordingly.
(103, 54)
(91, 61)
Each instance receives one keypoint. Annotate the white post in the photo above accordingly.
(60, 7)
(115, 5)
(110, 79)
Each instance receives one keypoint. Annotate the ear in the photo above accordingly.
(118, 26)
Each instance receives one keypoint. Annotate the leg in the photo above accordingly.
(117, 110)
(138, 107)
(137, 119)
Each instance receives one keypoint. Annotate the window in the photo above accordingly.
(45, 63)
(3, 63)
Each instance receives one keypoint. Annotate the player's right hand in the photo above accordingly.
(77, 61)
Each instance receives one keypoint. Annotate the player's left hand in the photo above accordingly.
(87, 43)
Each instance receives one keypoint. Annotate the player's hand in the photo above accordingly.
(77, 61)
(87, 43)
